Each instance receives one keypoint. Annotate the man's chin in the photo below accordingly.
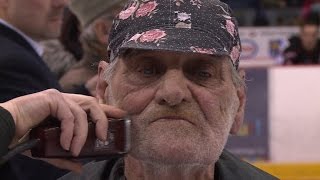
(51, 34)
(174, 151)
(174, 157)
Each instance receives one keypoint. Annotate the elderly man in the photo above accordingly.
(174, 68)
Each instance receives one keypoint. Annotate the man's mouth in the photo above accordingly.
(171, 119)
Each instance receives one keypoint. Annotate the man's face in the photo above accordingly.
(309, 36)
(40, 19)
(182, 106)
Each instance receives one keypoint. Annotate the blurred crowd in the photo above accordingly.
(273, 12)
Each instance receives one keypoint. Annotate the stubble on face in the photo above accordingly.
(198, 137)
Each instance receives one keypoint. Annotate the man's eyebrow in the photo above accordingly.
(204, 59)
(133, 52)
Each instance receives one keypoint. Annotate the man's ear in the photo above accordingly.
(242, 96)
(101, 84)
(102, 30)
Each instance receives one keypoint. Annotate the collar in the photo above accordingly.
(35, 45)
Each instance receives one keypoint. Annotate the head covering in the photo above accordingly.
(87, 10)
(198, 26)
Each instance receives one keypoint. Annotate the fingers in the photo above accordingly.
(90, 103)
(80, 129)
(112, 111)
(63, 112)
(71, 111)
(74, 124)
(97, 115)
(97, 112)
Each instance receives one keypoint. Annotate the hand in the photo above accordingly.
(28, 111)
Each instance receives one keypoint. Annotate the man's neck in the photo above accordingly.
(138, 170)
(32, 41)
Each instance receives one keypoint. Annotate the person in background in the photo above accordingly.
(19, 115)
(304, 48)
(23, 24)
(260, 18)
(309, 6)
(62, 53)
(96, 19)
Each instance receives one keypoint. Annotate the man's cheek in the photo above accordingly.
(136, 101)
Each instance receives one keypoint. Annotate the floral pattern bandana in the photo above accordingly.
(198, 26)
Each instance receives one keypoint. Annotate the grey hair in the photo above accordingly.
(237, 80)
(110, 70)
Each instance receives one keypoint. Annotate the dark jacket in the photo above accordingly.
(296, 54)
(22, 72)
(228, 167)
(7, 129)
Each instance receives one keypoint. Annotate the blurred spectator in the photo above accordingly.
(241, 4)
(60, 54)
(70, 32)
(310, 6)
(305, 48)
(95, 29)
(261, 18)
(294, 3)
(279, 21)
(22, 70)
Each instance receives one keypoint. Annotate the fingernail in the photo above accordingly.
(105, 137)
(66, 147)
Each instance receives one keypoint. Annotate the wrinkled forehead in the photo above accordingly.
(171, 56)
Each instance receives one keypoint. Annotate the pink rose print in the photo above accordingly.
(178, 2)
(135, 37)
(235, 53)
(182, 16)
(146, 9)
(127, 13)
(202, 50)
(152, 36)
(230, 27)
(225, 16)
(197, 3)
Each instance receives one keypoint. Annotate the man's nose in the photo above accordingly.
(173, 89)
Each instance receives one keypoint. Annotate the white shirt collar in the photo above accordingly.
(35, 45)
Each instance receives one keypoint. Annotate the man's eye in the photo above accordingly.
(148, 71)
(203, 74)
